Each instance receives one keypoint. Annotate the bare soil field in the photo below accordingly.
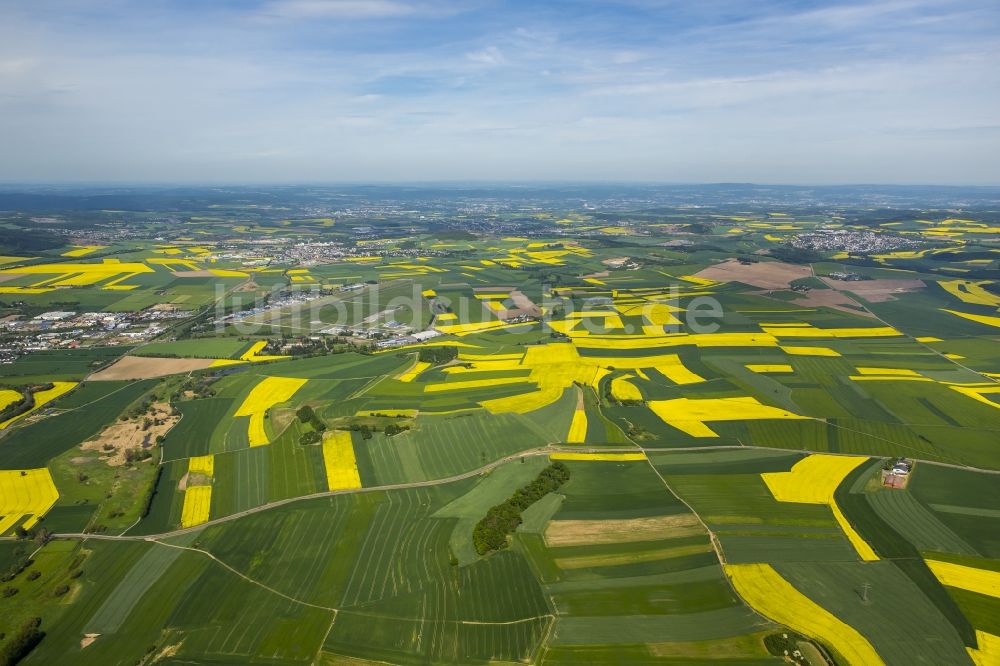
(116, 439)
(764, 274)
(831, 298)
(192, 274)
(615, 262)
(524, 304)
(146, 367)
(824, 298)
(584, 532)
(876, 291)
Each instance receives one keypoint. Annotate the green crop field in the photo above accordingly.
(320, 416)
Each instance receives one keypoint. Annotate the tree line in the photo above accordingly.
(490, 533)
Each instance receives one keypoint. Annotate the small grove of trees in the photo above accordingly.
(17, 566)
(490, 533)
(137, 454)
(310, 437)
(394, 429)
(307, 415)
(363, 429)
(436, 355)
(17, 647)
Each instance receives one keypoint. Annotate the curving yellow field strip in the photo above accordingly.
(41, 399)
(252, 354)
(986, 320)
(623, 389)
(813, 480)
(263, 396)
(81, 250)
(979, 393)
(412, 373)
(970, 291)
(963, 577)
(8, 397)
(769, 594)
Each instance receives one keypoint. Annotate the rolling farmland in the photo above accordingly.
(816, 474)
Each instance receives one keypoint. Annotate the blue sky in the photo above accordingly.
(898, 91)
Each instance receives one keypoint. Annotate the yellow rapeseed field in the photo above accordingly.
(888, 371)
(671, 367)
(269, 392)
(578, 427)
(412, 373)
(28, 492)
(768, 367)
(202, 465)
(885, 378)
(197, 505)
(702, 340)
(988, 652)
(970, 291)
(690, 415)
(253, 353)
(338, 458)
(612, 457)
(813, 332)
(81, 250)
(769, 594)
(41, 399)
(8, 397)
(986, 320)
(809, 351)
(979, 393)
(813, 480)
(623, 389)
(554, 368)
(982, 581)
(477, 327)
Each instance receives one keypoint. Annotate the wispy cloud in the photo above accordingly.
(311, 89)
(311, 9)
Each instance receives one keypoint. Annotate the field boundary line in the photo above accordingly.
(349, 611)
(243, 576)
(716, 544)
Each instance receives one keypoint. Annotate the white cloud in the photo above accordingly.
(348, 9)
(491, 56)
